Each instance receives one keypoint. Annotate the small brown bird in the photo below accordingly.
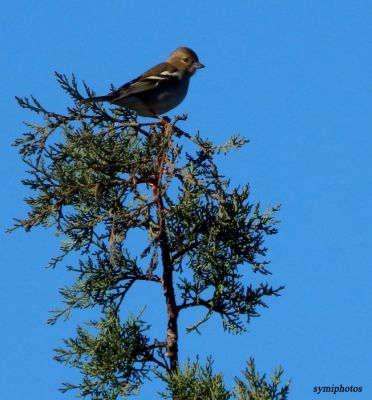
(159, 89)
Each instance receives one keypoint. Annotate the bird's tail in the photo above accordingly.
(96, 99)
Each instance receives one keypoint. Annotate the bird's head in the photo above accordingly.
(185, 59)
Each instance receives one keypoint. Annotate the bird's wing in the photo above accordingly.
(163, 74)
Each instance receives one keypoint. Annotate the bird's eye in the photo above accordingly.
(185, 59)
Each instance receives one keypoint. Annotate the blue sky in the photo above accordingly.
(292, 76)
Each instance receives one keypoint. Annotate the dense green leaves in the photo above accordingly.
(113, 362)
(197, 382)
(99, 177)
(256, 387)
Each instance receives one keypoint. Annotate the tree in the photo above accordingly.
(98, 175)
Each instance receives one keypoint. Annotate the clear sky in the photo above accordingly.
(294, 77)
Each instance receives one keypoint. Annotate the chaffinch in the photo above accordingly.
(159, 89)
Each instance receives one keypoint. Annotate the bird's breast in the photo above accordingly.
(171, 97)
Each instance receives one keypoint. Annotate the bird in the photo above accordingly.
(158, 90)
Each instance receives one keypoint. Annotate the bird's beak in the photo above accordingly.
(198, 65)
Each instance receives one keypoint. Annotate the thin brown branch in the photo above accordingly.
(185, 250)
(168, 285)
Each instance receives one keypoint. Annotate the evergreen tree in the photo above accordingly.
(98, 175)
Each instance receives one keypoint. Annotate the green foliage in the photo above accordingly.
(196, 382)
(113, 362)
(97, 176)
(256, 387)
